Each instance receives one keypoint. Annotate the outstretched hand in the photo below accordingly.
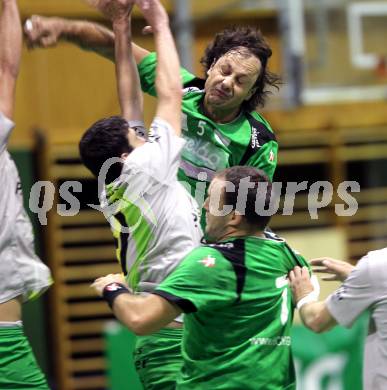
(338, 269)
(113, 9)
(153, 12)
(300, 283)
(41, 31)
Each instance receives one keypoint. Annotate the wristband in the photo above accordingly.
(112, 290)
(316, 287)
(311, 297)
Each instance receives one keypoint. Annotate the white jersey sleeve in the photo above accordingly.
(139, 128)
(355, 295)
(159, 157)
(21, 271)
(6, 126)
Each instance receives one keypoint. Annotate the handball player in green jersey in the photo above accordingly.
(154, 219)
(234, 293)
(23, 276)
(220, 120)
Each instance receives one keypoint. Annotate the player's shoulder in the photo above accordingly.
(204, 250)
(158, 128)
(149, 60)
(194, 85)
(233, 250)
(161, 129)
(260, 127)
(374, 263)
(380, 255)
(260, 134)
(220, 250)
(6, 126)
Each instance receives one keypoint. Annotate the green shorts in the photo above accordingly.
(158, 359)
(18, 367)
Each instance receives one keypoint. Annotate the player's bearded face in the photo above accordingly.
(218, 213)
(231, 79)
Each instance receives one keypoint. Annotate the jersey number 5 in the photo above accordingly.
(201, 129)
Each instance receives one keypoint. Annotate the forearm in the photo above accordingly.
(10, 54)
(168, 66)
(88, 36)
(168, 81)
(10, 38)
(143, 315)
(128, 82)
(316, 317)
(94, 37)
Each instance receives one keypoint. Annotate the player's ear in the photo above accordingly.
(236, 219)
(124, 156)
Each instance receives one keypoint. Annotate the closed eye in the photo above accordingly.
(225, 70)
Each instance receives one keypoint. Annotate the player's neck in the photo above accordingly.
(219, 115)
(245, 232)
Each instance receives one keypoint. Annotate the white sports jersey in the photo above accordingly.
(153, 217)
(21, 271)
(365, 289)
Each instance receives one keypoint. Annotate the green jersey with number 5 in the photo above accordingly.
(247, 140)
(239, 314)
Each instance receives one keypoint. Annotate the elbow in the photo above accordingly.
(9, 70)
(142, 332)
(138, 325)
(316, 324)
(141, 329)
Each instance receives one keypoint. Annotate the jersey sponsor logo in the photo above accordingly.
(191, 89)
(278, 341)
(113, 287)
(254, 139)
(271, 156)
(208, 261)
(202, 153)
(227, 245)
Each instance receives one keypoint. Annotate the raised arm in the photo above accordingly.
(10, 54)
(168, 82)
(46, 32)
(128, 81)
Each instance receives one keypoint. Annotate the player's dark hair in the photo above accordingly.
(252, 39)
(260, 194)
(105, 139)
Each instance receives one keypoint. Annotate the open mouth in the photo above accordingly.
(221, 94)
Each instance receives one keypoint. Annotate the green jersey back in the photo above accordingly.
(210, 147)
(239, 314)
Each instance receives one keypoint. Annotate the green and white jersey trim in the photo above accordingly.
(154, 219)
